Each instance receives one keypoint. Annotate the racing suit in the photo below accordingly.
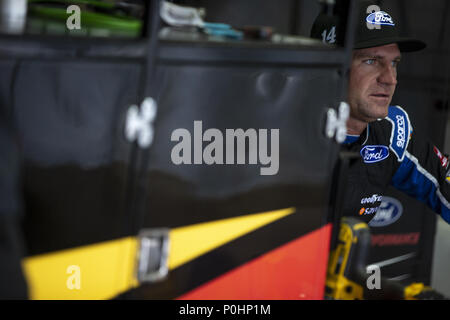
(391, 154)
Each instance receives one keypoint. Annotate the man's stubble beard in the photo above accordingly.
(369, 113)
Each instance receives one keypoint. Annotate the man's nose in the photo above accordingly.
(388, 76)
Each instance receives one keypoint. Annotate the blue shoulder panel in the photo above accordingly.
(401, 129)
(417, 182)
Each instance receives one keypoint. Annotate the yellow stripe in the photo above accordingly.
(190, 242)
(105, 270)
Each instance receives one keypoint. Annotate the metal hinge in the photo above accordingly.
(153, 254)
(139, 123)
(336, 126)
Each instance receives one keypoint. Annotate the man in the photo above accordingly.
(392, 153)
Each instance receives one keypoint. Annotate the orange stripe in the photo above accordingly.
(296, 270)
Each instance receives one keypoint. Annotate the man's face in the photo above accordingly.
(373, 78)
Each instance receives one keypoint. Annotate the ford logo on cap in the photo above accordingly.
(389, 211)
(380, 18)
(372, 154)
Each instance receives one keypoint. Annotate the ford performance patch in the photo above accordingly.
(372, 154)
(390, 211)
(380, 18)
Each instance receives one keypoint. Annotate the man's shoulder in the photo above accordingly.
(394, 112)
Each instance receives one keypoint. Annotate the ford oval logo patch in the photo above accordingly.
(389, 211)
(372, 154)
(380, 18)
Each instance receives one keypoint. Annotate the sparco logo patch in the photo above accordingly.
(372, 154)
(389, 211)
(401, 136)
(380, 18)
(401, 130)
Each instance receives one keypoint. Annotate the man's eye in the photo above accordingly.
(395, 63)
(370, 61)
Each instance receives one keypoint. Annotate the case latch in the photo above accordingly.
(336, 126)
(153, 253)
(139, 123)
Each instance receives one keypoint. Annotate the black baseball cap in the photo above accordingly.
(374, 27)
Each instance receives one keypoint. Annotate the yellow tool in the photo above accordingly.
(344, 276)
(347, 273)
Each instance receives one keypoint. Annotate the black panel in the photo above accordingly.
(246, 97)
(70, 124)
